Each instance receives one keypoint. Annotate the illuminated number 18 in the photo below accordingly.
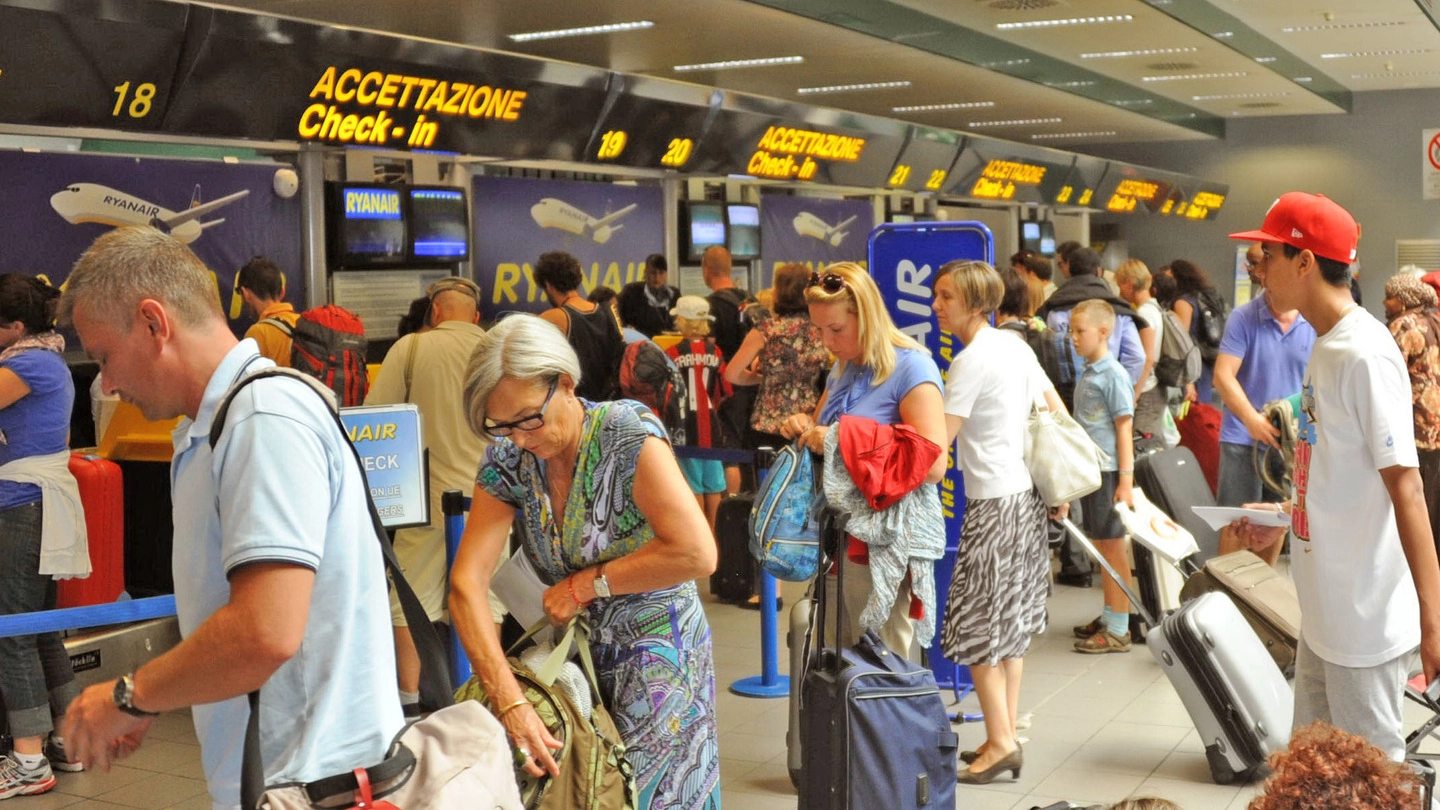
(140, 105)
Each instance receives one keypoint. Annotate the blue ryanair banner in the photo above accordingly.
(609, 228)
(388, 438)
(812, 231)
(903, 259)
(57, 204)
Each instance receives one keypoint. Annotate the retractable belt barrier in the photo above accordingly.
(78, 618)
(715, 454)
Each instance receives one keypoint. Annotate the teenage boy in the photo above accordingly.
(1363, 559)
(1105, 407)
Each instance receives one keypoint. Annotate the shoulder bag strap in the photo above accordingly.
(410, 364)
(435, 687)
(281, 325)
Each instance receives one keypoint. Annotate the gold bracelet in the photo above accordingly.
(501, 713)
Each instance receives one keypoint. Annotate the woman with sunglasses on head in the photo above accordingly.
(1002, 572)
(608, 522)
(880, 373)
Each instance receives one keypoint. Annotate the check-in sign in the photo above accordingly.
(388, 438)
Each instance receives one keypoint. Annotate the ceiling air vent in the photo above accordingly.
(1021, 5)
(1176, 66)
(1260, 105)
(1420, 252)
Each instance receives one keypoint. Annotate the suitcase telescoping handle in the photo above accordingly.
(832, 547)
(1135, 602)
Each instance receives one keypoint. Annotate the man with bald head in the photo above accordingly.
(279, 581)
(428, 369)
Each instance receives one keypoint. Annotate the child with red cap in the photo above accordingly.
(1363, 559)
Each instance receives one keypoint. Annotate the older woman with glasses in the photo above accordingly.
(880, 373)
(610, 525)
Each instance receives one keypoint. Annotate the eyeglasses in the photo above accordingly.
(534, 421)
(830, 282)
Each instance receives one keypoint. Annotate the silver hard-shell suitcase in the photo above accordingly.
(1232, 689)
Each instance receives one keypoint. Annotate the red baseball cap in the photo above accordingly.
(1310, 222)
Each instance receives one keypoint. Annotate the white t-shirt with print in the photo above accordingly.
(1357, 600)
(990, 385)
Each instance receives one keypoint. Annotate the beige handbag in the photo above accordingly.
(1063, 461)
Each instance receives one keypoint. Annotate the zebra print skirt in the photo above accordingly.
(1000, 583)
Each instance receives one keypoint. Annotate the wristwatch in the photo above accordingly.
(125, 697)
(601, 584)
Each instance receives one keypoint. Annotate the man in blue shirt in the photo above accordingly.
(279, 581)
(1262, 358)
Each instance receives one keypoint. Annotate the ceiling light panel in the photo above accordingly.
(740, 63)
(1185, 77)
(1015, 122)
(1061, 23)
(958, 105)
(848, 88)
(1142, 52)
(612, 28)
(1396, 74)
(1229, 96)
(1393, 52)
(1056, 136)
(1340, 26)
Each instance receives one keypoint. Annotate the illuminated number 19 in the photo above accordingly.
(677, 152)
(612, 144)
(937, 179)
(901, 174)
(140, 105)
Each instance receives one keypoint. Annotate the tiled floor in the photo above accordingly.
(1104, 727)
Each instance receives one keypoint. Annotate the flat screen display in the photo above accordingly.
(1038, 237)
(368, 225)
(1047, 238)
(705, 227)
(744, 221)
(439, 225)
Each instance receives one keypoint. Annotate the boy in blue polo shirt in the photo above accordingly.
(1105, 407)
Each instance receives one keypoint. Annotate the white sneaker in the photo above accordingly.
(15, 780)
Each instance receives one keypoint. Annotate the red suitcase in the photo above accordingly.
(1200, 431)
(103, 496)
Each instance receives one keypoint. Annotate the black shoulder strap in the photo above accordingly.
(435, 689)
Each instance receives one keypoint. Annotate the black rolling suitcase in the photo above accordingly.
(735, 571)
(1172, 480)
(873, 725)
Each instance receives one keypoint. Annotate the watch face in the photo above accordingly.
(602, 588)
(121, 696)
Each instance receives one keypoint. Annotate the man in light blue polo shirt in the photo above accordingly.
(1262, 358)
(279, 584)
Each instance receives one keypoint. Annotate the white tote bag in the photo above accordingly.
(1063, 461)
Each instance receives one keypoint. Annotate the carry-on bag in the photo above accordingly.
(1235, 695)
(1200, 432)
(875, 733)
(800, 640)
(1165, 553)
(1265, 598)
(735, 570)
(103, 495)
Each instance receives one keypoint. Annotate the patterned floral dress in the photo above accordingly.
(652, 650)
(791, 361)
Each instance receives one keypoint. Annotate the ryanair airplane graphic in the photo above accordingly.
(553, 213)
(807, 224)
(90, 202)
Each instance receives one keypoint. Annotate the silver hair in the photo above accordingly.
(519, 347)
(128, 265)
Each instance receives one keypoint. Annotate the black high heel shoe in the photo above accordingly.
(1010, 762)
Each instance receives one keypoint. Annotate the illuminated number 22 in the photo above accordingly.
(140, 105)
(678, 152)
(937, 179)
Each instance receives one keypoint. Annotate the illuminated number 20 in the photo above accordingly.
(612, 144)
(677, 152)
(140, 105)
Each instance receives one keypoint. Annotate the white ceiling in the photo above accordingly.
(703, 31)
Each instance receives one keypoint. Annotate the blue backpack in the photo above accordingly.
(784, 533)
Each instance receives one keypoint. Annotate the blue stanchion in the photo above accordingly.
(454, 506)
(769, 683)
(50, 621)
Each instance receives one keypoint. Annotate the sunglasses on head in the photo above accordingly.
(830, 282)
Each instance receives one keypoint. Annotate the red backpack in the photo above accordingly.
(648, 376)
(328, 343)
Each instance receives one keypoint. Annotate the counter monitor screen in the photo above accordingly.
(369, 227)
(705, 227)
(439, 225)
(744, 223)
(1038, 237)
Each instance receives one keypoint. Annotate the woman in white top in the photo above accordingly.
(1133, 278)
(1002, 572)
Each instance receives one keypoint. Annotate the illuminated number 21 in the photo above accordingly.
(678, 152)
(900, 175)
(612, 144)
(140, 105)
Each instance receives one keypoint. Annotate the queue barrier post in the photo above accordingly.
(769, 683)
